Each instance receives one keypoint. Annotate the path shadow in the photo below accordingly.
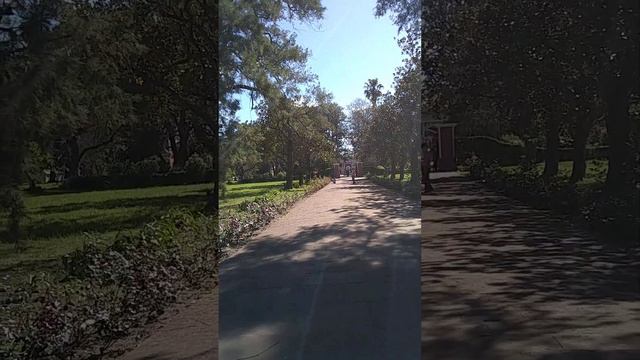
(345, 252)
(489, 257)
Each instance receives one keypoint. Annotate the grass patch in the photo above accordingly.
(59, 222)
(238, 193)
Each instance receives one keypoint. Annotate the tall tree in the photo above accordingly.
(373, 91)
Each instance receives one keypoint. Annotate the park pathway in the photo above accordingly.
(336, 278)
(503, 281)
(188, 331)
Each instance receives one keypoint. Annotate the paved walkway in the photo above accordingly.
(188, 332)
(503, 281)
(335, 278)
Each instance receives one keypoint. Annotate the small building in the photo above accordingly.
(345, 167)
(441, 133)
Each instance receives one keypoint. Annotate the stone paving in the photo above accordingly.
(337, 277)
(501, 280)
(188, 332)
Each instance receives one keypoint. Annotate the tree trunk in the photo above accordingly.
(551, 156)
(33, 186)
(182, 152)
(581, 135)
(174, 146)
(52, 176)
(415, 167)
(579, 168)
(530, 153)
(620, 153)
(73, 162)
(618, 80)
(309, 169)
(290, 165)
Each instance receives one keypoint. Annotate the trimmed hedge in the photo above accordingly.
(507, 154)
(91, 183)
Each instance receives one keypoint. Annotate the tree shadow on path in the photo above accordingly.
(337, 276)
(501, 280)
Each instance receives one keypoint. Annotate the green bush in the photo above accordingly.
(109, 290)
(119, 168)
(611, 214)
(410, 189)
(145, 168)
(196, 167)
(237, 227)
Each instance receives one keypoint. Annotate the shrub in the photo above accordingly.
(196, 167)
(146, 168)
(109, 290)
(11, 200)
(119, 168)
(410, 189)
(236, 227)
(612, 214)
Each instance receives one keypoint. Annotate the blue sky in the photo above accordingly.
(348, 46)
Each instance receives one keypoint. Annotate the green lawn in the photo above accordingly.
(59, 222)
(238, 193)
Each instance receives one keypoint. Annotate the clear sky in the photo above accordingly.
(348, 46)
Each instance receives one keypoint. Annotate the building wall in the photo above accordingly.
(447, 161)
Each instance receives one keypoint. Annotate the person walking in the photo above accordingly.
(436, 155)
(427, 158)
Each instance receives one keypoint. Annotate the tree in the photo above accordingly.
(373, 91)
(300, 128)
(27, 62)
(257, 54)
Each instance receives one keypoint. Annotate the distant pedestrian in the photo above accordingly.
(435, 150)
(427, 158)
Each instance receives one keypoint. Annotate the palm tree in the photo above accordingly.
(373, 90)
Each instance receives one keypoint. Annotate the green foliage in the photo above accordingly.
(548, 87)
(236, 227)
(410, 189)
(110, 290)
(196, 167)
(252, 30)
(56, 221)
(609, 213)
(11, 200)
(387, 131)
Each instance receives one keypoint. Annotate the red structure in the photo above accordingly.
(442, 134)
(349, 166)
